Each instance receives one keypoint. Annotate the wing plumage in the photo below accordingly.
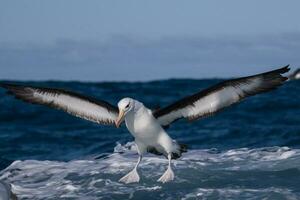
(224, 94)
(75, 104)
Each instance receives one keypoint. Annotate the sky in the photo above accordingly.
(139, 40)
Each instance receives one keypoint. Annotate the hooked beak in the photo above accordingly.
(120, 118)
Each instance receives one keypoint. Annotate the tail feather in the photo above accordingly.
(176, 153)
(181, 148)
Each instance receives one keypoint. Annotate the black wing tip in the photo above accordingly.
(6, 85)
(284, 69)
(11, 89)
(20, 92)
(277, 75)
(281, 70)
(11, 86)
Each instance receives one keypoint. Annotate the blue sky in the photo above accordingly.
(145, 40)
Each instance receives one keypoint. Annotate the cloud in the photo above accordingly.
(129, 58)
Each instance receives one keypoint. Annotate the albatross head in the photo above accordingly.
(125, 105)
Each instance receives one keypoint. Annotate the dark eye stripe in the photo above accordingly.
(127, 106)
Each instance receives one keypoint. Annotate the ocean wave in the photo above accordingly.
(269, 173)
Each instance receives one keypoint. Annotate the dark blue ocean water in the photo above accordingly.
(250, 150)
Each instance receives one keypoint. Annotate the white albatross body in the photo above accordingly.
(147, 127)
(148, 133)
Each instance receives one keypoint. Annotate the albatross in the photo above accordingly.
(148, 127)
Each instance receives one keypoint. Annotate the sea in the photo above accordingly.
(250, 150)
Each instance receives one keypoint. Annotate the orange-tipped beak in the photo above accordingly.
(120, 118)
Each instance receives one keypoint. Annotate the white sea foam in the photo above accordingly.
(200, 174)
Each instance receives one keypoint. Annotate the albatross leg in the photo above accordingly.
(132, 176)
(169, 174)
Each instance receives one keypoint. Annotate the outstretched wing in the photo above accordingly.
(224, 94)
(75, 104)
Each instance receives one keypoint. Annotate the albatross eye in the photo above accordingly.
(127, 106)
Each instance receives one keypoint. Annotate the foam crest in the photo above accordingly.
(199, 173)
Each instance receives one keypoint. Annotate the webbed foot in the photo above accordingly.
(167, 176)
(131, 177)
